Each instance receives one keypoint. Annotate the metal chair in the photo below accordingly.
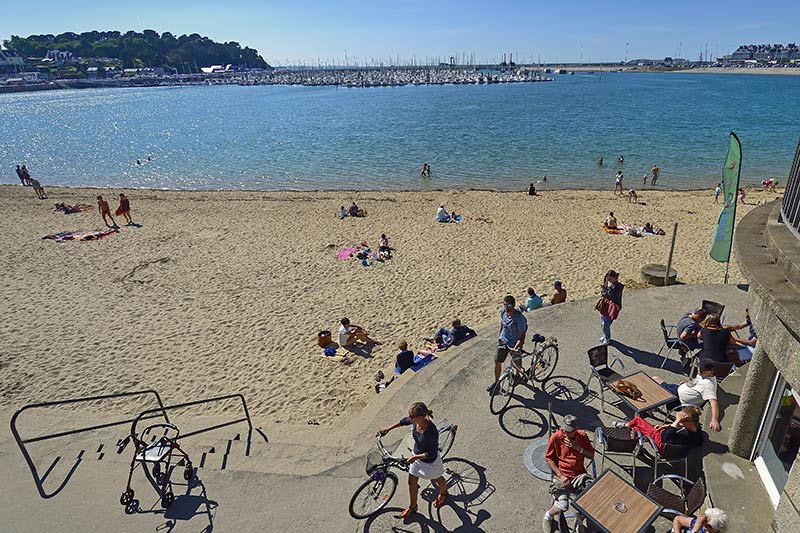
(721, 370)
(671, 343)
(602, 371)
(618, 441)
(686, 503)
(672, 454)
(713, 307)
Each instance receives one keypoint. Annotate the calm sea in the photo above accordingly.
(483, 136)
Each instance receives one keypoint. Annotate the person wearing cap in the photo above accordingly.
(513, 327)
(567, 450)
(697, 391)
(560, 295)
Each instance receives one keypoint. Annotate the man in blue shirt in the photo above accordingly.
(513, 327)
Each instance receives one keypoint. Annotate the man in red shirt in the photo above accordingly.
(567, 450)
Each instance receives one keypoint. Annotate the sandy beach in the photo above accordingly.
(221, 292)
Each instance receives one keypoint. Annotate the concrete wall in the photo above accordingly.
(769, 256)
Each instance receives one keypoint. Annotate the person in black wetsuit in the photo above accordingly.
(426, 461)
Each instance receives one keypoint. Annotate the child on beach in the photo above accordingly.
(618, 182)
(384, 250)
(742, 195)
(717, 190)
(632, 196)
(342, 212)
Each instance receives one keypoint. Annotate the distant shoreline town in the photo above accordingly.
(62, 68)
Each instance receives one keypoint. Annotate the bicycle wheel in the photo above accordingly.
(372, 496)
(501, 393)
(545, 363)
(446, 438)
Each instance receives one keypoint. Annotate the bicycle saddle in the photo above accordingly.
(537, 338)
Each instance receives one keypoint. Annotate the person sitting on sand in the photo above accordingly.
(384, 250)
(350, 334)
(443, 216)
(632, 196)
(611, 221)
(105, 211)
(124, 208)
(356, 211)
(534, 301)
(405, 359)
(342, 212)
(649, 229)
(531, 190)
(561, 294)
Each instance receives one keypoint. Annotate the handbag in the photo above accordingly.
(599, 305)
(610, 309)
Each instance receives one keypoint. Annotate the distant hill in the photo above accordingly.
(146, 49)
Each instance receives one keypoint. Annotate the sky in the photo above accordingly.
(288, 32)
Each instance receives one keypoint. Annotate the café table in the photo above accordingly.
(616, 506)
(653, 394)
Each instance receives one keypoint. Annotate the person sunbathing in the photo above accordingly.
(683, 431)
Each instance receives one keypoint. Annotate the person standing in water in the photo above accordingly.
(618, 183)
(621, 159)
(656, 172)
(600, 162)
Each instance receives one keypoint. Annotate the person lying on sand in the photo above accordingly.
(350, 334)
(458, 334)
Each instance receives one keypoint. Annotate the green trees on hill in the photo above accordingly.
(147, 48)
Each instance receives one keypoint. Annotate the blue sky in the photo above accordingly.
(308, 31)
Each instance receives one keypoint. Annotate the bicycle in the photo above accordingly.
(376, 492)
(543, 363)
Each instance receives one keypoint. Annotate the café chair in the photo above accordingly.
(721, 370)
(673, 454)
(672, 343)
(618, 441)
(602, 371)
(713, 307)
(689, 499)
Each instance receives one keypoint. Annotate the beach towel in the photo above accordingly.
(345, 253)
(95, 235)
(612, 231)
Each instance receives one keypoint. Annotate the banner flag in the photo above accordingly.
(723, 236)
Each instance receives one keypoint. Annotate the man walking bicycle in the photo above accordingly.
(513, 327)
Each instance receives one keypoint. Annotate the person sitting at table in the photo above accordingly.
(720, 343)
(714, 520)
(567, 450)
(688, 328)
(697, 391)
(683, 431)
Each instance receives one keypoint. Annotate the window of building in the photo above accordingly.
(779, 439)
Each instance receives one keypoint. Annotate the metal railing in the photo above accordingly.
(148, 414)
(22, 442)
(790, 209)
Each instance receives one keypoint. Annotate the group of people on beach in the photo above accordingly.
(124, 209)
(352, 211)
(27, 181)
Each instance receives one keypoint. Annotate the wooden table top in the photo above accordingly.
(616, 506)
(653, 394)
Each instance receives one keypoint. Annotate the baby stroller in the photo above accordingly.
(164, 454)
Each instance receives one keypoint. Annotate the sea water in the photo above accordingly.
(500, 136)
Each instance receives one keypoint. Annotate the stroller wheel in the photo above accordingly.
(188, 472)
(126, 497)
(167, 500)
(132, 507)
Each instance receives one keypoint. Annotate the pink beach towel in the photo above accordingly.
(345, 253)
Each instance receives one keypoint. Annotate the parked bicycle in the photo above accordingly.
(543, 363)
(376, 492)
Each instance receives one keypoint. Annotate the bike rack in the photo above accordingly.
(22, 442)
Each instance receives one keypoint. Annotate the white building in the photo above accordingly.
(9, 59)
